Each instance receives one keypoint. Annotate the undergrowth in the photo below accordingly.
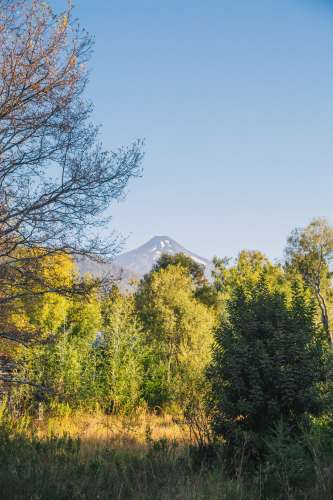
(63, 466)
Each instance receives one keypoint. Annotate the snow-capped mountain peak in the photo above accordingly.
(141, 260)
(138, 262)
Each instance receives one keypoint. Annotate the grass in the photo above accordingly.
(116, 432)
(80, 456)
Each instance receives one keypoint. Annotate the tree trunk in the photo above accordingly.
(325, 318)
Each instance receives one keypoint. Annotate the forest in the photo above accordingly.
(180, 387)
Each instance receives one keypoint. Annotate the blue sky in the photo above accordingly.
(235, 101)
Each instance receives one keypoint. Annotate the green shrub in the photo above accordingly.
(267, 365)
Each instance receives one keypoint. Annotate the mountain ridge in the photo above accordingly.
(134, 264)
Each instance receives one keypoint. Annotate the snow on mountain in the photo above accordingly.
(141, 260)
(138, 262)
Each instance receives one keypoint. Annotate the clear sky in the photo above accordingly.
(235, 101)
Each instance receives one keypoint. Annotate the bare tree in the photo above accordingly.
(56, 181)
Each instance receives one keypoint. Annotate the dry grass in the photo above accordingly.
(146, 457)
(117, 432)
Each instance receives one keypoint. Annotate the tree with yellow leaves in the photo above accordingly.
(178, 333)
(56, 181)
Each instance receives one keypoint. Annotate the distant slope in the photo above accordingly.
(138, 262)
(141, 260)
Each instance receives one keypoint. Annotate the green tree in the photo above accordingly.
(120, 354)
(178, 333)
(196, 271)
(61, 369)
(204, 291)
(309, 252)
(266, 365)
(248, 266)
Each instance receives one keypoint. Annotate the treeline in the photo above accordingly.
(247, 348)
(111, 350)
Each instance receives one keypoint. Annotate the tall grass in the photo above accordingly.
(77, 456)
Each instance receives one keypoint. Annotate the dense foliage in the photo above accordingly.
(178, 333)
(267, 365)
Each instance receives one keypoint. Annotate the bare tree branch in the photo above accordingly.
(56, 180)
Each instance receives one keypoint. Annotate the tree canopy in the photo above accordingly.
(309, 252)
(56, 180)
(267, 362)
